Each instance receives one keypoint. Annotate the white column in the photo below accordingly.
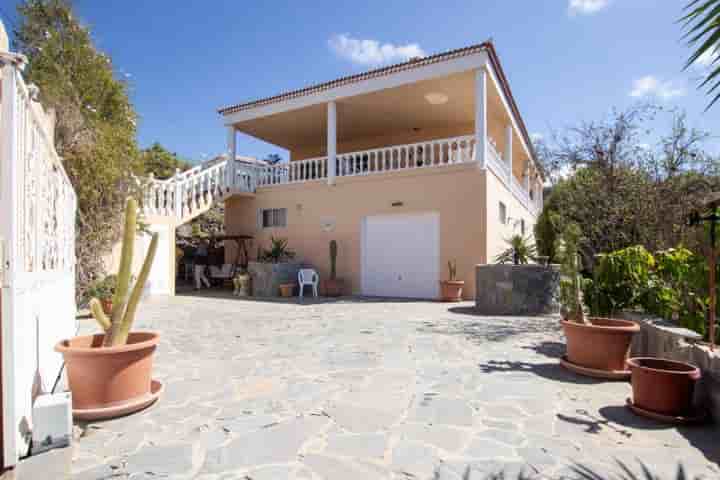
(481, 117)
(178, 194)
(331, 141)
(232, 154)
(509, 150)
(526, 176)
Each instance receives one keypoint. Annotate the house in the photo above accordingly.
(407, 167)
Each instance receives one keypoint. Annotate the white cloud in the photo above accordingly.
(650, 86)
(372, 52)
(536, 136)
(586, 7)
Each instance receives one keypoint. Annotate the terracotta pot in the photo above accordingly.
(451, 290)
(603, 345)
(663, 386)
(286, 289)
(333, 287)
(106, 304)
(101, 377)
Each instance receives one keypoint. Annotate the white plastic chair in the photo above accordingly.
(308, 276)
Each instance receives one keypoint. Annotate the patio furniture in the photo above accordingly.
(308, 277)
(224, 273)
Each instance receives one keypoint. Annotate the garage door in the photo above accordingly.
(400, 255)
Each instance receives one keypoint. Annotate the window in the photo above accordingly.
(503, 213)
(274, 217)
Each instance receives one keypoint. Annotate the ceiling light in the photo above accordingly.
(436, 98)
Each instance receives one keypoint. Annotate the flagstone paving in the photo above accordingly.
(364, 389)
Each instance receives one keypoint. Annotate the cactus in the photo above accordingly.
(571, 281)
(452, 270)
(125, 301)
(333, 258)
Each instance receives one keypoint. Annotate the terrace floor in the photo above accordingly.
(362, 389)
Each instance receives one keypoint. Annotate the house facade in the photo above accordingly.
(407, 167)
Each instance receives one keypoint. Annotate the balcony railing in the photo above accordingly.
(191, 192)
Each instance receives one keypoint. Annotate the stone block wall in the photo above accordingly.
(517, 289)
(267, 277)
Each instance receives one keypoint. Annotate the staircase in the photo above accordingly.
(191, 193)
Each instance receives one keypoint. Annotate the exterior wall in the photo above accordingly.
(496, 231)
(165, 256)
(401, 137)
(457, 193)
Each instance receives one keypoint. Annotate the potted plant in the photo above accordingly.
(104, 291)
(333, 285)
(597, 347)
(274, 267)
(110, 373)
(286, 289)
(520, 251)
(451, 289)
(241, 282)
(664, 389)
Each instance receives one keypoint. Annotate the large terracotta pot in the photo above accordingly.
(102, 377)
(603, 345)
(663, 386)
(333, 287)
(451, 290)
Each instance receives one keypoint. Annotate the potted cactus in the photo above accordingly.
(596, 347)
(333, 286)
(109, 374)
(451, 289)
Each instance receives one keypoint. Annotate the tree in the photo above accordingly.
(95, 130)
(273, 159)
(701, 23)
(161, 162)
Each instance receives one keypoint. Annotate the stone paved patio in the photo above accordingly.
(362, 389)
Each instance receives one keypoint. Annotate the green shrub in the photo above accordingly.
(621, 281)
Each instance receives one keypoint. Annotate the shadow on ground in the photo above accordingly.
(550, 371)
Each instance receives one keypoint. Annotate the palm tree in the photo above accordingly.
(702, 24)
(520, 251)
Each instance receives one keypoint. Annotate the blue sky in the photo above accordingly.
(567, 60)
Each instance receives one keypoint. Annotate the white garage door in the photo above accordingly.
(400, 255)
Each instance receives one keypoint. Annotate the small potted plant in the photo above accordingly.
(596, 347)
(286, 289)
(241, 282)
(333, 285)
(451, 289)
(110, 373)
(104, 291)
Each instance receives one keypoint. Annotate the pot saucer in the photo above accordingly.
(592, 372)
(122, 408)
(696, 417)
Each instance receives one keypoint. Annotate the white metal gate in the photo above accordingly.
(37, 234)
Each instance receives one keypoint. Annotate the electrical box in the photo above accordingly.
(52, 422)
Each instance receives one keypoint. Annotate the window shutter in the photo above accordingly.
(259, 218)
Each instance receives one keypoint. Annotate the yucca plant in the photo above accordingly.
(125, 300)
(701, 23)
(278, 252)
(520, 251)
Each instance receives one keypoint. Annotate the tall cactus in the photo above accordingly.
(125, 302)
(333, 258)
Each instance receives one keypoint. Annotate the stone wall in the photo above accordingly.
(517, 289)
(659, 338)
(267, 277)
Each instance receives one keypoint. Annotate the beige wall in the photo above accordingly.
(401, 137)
(496, 231)
(456, 192)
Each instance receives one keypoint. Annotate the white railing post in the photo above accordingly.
(481, 117)
(232, 154)
(509, 150)
(331, 141)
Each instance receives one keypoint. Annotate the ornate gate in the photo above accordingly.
(37, 243)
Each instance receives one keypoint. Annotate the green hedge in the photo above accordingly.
(671, 284)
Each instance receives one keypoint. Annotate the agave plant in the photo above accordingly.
(278, 252)
(520, 250)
